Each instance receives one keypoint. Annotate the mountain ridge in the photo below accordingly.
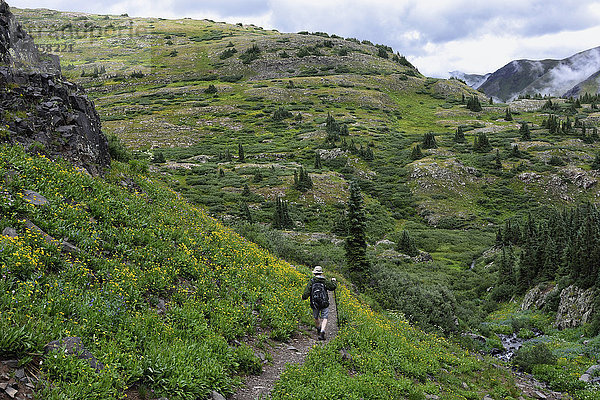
(547, 77)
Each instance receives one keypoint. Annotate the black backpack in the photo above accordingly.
(319, 299)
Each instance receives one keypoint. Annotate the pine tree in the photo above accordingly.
(416, 153)
(302, 181)
(429, 141)
(246, 191)
(498, 161)
(227, 155)
(508, 116)
(481, 143)
(524, 132)
(406, 245)
(318, 160)
(241, 156)
(596, 162)
(356, 241)
(514, 151)
(473, 104)
(281, 216)
(459, 135)
(245, 212)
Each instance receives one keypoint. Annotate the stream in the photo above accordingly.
(511, 343)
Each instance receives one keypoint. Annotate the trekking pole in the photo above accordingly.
(337, 313)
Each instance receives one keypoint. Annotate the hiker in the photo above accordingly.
(319, 299)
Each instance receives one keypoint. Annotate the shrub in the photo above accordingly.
(529, 356)
(117, 149)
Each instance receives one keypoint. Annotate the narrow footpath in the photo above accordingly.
(294, 352)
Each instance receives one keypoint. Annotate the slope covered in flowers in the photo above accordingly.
(163, 296)
(137, 246)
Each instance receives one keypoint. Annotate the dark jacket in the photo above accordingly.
(329, 285)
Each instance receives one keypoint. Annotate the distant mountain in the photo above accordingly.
(473, 80)
(571, 76)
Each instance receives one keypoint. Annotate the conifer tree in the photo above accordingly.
(473, 104)
(508, 116)
(524, 131)
(245, 212)
(246, 191)
(416, 153)
(498, 161)
(318, 164)
(596, 162)
(481, 143)
(227, 155)
(281, 217)
(241, 156)
(356, 241)
(406, 245)
(459, 135)
(429, 141)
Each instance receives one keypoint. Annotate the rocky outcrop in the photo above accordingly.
(537, 297)
(17, 48)
(41, 110)
(575, 308)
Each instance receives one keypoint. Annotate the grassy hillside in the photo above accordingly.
(202, 93)
(139, 245)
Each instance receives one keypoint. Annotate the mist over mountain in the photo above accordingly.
(571, 76)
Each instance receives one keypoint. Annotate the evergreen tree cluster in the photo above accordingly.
(334, 129)
(416, 152)
(406, 245)
(481, 143)
(366, 153)
(525, 132)
(429, 141)
(556, 126)
(560, 246)
(459, 135)
(302, 181)
(280, 114)
(281, 216)
(589, 98)
(473, 104)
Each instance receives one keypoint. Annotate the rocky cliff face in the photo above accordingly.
(575, 305)
(39, 109)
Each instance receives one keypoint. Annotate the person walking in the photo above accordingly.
(316, 290)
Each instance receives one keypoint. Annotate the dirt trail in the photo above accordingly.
(294, 352)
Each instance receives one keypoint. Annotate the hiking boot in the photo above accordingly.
(322, 335)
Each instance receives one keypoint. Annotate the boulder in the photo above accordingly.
(34, 198)
(575, 308)
(74, 346)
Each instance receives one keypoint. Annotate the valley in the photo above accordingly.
(217, 130)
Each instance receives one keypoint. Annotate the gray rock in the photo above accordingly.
(575, 308)
(539, 395)
(20, 373)
(432, 397)
(536, 298)
(34, 198)
(10, 232)
(74, 346)
(10, 392)
(487, 397)
(216, 396)
(585, 377)
(593, 370)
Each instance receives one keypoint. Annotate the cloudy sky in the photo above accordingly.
(437, 36)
